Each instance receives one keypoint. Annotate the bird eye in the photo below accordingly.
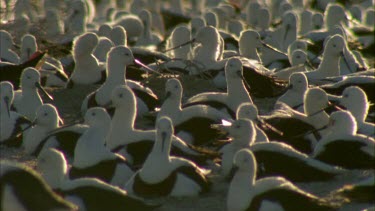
(120, 95)
(126, 54)
(45, 114)
(334, 45)
(28, 77)
(238, 126)
(298, 57)
(176, 87)
(346, 95)
(93, 114)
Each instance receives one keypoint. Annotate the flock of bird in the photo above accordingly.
(315, 58)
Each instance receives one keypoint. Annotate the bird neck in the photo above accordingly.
(116, 71)
(86, 62)
(171, 107)
(249, 52)
(330, 65)
(122, 126)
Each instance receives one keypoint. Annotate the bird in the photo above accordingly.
(329, 67)
(273, 158)
(250, 111)
(192, 123)
(12, 72)
(27, 99)
(298, 85)
(46, 120)
(6, 52)
(87, 69)
(172, 176)
(28, 47)
(298, 60)
(247, 193)
(342, 143)
(101, 50)
(148, 37)
(366, 83)
(85, 192)
(92, 158)
(358, 192)
(22, 188)
(118, 59)
(136, 144)
(296, 127)
(235, 95)
(354, 99)
(12, 123)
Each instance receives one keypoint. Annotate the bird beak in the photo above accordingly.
(272, 48)
(168, 94)
(179, 46)
(269, 126)
(61, 121)
(6, 99)
(37, 84)
(335, 105)
(346, 61)
(74, 122)
(16, 46)
(163, 137)
(136, 61)
(286, 31)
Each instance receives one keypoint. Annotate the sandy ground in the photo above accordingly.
(69, 101)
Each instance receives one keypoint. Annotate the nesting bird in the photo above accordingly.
(246, 192)
(164, 175)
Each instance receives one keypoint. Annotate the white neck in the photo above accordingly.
(90, 147)
(329, 65)
(239, 189)
(122, 126)
(151, 171)
(171, 107)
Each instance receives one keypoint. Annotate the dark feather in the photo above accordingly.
(341, 153)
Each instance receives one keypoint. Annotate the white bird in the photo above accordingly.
(180, 35)
(46, 120)
(247, 193)
(250, 111)
(242, 134)
(236, 91)
(342, 144)
(118, 36)
(36, 195)
(6, 53)
(192, 123)
(27, 100)
(164, 175)
(118, 58)
(293, 97)
(84, 192)
(354, 99)
(87, 69)
(92, 158)
(12, 123)
(103, 48)
(298, 61)
(75, 23)
(296, 127)
(148, 37)
(28, 47)
(329, 66)
(135, 144)
(210, 50)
